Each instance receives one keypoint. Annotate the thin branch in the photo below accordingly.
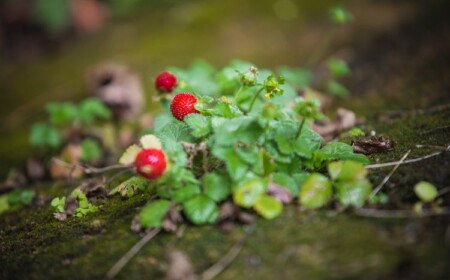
(378, 188)
(394, 163)
(224, 262)
(91, 169)
(117, 267)
(435, 129)
(380, 213)
(443, 191)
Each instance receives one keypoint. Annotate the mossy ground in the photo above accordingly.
(298, 245)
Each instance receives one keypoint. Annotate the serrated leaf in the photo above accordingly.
(346, 170)
(152, 214)
(216, 186)
(286, 181)
(128, 187)
(339, 151)
(425, 191)
(268, 207)
(150, 141)
(353, 193)
(185, 193)
(129, 156)
(199, 124)
(243, 129)
(201, 210)
(236, 166)
(315, 192)
(247, 192)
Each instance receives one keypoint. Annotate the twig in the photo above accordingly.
(378, 188)
(435, 129)
(224, 262)
(91, 169)
(379, 213)
(443, 191)
(386, 164)
(117, 267)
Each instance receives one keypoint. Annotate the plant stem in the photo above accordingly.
(299, 130)
(253, 100)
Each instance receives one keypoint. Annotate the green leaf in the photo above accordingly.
(59, 204)
(346, 170)
(152, 214)
(339, 151)
(62, 113)
(268, 207)
(236, 166)
(185, 193)
(199, 124)
(44, 135)
(90, 150)
(21, 197)
(201, 210)
(243, 129)
(286, 181)
(340, 16)
(128, 187)
(353, 193)
(216, 186)
(247, 192)
(92, 109)
(337, 89)
(315, 192)
(4, 204)
(425, 191)
(338, 67)
(299, 77)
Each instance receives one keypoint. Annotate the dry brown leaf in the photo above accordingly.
(179, 267)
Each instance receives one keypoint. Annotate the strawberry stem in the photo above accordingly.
(253, 100)
(299, 130)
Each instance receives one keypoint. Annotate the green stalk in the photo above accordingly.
(299, 130)
(253, 100)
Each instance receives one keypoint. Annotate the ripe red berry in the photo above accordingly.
(183, 105)
(150, 163)
(165, 82)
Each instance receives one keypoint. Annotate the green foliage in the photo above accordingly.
(130, 186)
(90, 150)
(84, 206)
(63, 116)
(340, 16)
(45, 135)
(425, 191)
(315, 192)
(201, 210)
(338, 67)
(356, 132)
(268, 207)
(153, 213)
(15, 199)
(59, 204)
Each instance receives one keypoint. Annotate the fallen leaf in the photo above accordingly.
(345, 119)
(35, 169)
(179, 267)
(117, 87)
(280, 193)
(372, 145)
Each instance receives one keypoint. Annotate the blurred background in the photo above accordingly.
(47, 46)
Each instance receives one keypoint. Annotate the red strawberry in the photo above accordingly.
(183, 105)
(150, 163)
(165, 82)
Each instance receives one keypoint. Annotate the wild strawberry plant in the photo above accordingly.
(241, 134)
